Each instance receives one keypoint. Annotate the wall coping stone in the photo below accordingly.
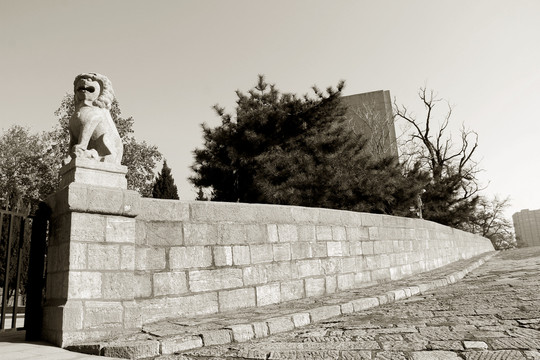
(77, 197)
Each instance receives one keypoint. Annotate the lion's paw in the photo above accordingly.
(79, 152)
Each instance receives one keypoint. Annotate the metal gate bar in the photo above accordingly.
(18, 280)
(7, 263)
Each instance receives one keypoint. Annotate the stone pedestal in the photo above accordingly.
(91, 172)
(91, 254)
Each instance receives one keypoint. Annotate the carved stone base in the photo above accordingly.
(92, 172)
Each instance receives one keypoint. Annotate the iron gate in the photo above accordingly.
(22, 266)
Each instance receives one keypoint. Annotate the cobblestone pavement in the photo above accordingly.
(493, 313)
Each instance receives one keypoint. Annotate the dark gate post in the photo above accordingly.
(33, 319)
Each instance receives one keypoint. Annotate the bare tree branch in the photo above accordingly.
(449, 160)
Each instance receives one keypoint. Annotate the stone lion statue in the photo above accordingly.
(93, 134)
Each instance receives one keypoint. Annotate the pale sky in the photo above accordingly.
(170, 61)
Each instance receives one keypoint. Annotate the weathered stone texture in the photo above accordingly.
(324, 312)
(306, 233)
(133, 350)
(260, 329)
(309, 268)
(282, 252)
(300, 250)
(229, 234)
(117, 285)
(330, 284)
(103, 256)
(200, 234)
(287, 233)
(268, 294)
(223, 255)
(150, 258)
(216, 337)
(324, 233)
(175, 345)
(241, 255)
(170, 283)
(87, 227)
(261, 253)
(207, 280)
(84, 285)
(103, 314)
(142, 286)
(315, 287)
(164, 233)
(242, 332)
(127, 257)
(253, 275)
(186, 257)
(163, 210)
(279, 325)
(292, 290)
(236, 299)
(119, 229)
(334, 248)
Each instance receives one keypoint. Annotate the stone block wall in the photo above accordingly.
(209, 257)
(90, 264)
(116, 261)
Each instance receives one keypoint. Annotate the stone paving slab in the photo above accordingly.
(172, 337)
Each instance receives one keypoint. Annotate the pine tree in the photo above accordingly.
(164, 187)
(292, 150)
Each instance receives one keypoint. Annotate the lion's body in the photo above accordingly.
(92, 130)
(104, 137)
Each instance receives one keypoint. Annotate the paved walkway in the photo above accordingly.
(176, 335)
(493, 313)
(13, 347)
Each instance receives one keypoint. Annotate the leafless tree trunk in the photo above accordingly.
(434, 147)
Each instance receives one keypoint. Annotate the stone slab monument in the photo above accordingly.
(91, 252)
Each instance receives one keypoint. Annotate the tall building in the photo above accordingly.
(370, 114)
(527, 227)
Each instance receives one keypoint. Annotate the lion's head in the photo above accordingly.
(95, 88)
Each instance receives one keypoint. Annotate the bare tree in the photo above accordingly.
(451, 162)
(435, 146)
(491, 222)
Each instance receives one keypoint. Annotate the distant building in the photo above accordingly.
(370, 115)
(527, 227)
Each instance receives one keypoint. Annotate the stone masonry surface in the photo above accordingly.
(201, 258)
(178, 335)
(492, 314)
(118, 262)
